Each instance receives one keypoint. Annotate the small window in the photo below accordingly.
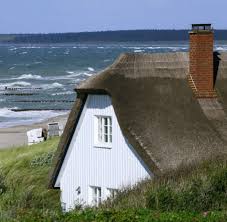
(96, 195)
(104, 129)
(63, 206)
(111, 192)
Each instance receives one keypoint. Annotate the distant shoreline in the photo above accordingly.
(105, 36)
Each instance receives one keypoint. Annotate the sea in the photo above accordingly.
(37, 81)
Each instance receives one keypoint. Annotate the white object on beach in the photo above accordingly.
(35, 136)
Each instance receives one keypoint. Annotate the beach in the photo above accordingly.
(16, 136)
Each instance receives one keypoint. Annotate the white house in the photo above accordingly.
(141, 117)
(87, 174)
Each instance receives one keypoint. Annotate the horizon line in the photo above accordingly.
(120, 30)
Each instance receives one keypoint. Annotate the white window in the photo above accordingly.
(111, 193)
(96, 195)
(63, 207)
(103, 130)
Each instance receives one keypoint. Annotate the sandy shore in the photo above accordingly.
(16, 136)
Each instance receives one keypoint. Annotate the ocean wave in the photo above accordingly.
(221, 48)
(15, 84)
(91, 69)
(70, 72)
(138, 50)
(12, 118)
(23, 53)
(107, 60)
(11, 68)
(62, 93)
(87, 74)
(29, 76)
(73, 74)
(12, 49)
(52, 86)
(30, 47)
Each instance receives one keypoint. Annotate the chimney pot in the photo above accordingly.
(201, 58)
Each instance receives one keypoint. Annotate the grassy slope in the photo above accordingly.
(182, 196)
(24, 173)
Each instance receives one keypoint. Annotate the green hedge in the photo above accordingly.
(139, 215)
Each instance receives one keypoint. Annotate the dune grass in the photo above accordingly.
(199, 188)
(23, 180)
(198, 193)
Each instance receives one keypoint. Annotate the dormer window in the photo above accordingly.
(103, 131)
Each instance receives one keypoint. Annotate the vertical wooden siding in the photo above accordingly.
(86, 165)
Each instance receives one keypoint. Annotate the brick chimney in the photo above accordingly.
(201, 74)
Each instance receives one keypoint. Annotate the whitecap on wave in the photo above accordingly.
(52, 86)
(221, 48)
(29, 76)
(38, 62)
(91, 69)
(15, 84)
(107, 60)
(138, 50)
(13, 49)
(73, 74)
(30, 47)
(62, 93)
(70, 72)
(23, 53)
(87, 74)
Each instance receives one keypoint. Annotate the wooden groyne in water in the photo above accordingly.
(23, 110)
(43, 101)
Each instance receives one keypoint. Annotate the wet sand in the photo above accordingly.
(17, 135)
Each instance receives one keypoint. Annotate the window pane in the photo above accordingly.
(105, 129)
(110, 139)
(106, 138)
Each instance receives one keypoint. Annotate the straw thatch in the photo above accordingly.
(156, 110)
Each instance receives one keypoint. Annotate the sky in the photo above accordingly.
(51, 16)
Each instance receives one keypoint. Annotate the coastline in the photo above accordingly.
(16, 136)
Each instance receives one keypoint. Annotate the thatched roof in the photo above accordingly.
(156, 110)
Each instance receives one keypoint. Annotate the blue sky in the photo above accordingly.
(44, 16)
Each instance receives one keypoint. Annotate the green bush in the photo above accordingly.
(44, 159)
(129, 215)
(197, 194)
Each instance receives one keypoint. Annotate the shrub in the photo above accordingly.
(44, 159)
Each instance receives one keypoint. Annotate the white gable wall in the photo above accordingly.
(86, 165)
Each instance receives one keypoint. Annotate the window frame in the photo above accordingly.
(96, 195)
(103, 135)
(111, 192)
